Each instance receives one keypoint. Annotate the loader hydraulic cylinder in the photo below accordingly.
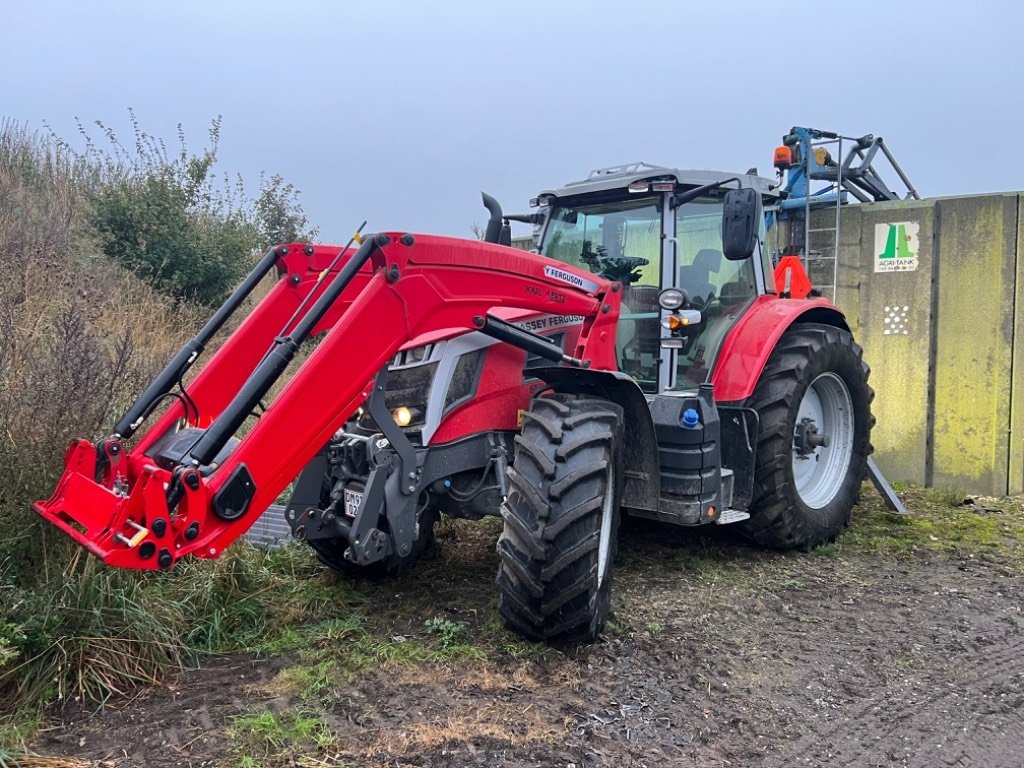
(177, 368)
(531, 342)
(274, 364)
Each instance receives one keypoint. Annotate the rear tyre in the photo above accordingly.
(812, 391)
(561, 520)
(331, 552)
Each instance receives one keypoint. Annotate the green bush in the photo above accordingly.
(165, 216)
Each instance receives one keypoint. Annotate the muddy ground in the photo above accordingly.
(902, 645)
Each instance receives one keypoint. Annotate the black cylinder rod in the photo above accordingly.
(273, 365)
(182, 361)
(531, 342)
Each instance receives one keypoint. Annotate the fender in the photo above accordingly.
(751, 341)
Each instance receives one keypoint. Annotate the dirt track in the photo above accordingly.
(717, 656)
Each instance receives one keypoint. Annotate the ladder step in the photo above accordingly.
(732, 516)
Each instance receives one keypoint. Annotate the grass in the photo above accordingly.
(941, 520)
(91, 633)
(264, 739)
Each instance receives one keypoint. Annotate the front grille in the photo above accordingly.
(409, 386)
(464, 378)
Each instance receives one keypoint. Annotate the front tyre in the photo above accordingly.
(814, 405)
(561, 519)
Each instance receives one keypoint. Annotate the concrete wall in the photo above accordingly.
(944, 335)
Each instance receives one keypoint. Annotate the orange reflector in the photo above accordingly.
(712, 511)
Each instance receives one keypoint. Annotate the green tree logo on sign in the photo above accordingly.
(896, 246)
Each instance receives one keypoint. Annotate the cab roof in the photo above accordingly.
(621, 176)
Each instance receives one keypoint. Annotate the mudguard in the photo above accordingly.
(750, 342)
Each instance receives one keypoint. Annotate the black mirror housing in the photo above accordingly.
(741, 219)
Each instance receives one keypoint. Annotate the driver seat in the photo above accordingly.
(696, 278)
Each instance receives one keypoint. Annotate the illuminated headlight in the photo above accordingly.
(404, 415)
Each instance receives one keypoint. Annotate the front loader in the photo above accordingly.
(642, 360)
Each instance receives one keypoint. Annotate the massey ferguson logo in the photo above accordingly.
(568, 277)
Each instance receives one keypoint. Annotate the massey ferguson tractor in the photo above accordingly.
(647, 359)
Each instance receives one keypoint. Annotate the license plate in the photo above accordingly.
(353, 501)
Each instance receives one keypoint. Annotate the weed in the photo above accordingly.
(947, 496)
(448, 632)
(263, 736)
(307, 681)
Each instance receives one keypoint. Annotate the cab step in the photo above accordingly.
(732, 516)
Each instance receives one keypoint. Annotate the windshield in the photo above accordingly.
(623, 240)
(620, 241)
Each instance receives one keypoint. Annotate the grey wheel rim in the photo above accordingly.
(820, 473)
(607, 513)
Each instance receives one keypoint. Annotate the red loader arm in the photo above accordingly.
(139, 509)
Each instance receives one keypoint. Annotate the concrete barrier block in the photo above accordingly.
(974, 343)
(1015, 474)
(893, 323)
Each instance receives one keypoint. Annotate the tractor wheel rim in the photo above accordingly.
(820, 474)
(604, 542)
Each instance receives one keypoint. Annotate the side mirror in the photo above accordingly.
(741, 219)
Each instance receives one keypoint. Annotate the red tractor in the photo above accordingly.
(643, 359)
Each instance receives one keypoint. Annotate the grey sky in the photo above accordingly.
(401, 112)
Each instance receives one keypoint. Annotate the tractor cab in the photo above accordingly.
(653, 228)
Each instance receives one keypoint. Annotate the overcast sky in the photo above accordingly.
(401, 112)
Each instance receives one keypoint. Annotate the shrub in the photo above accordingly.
(78, 335)
(165, 216)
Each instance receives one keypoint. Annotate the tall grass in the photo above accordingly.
(80, 335)
(88, 632)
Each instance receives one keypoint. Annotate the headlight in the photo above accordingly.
(672, 298)
(404, 415)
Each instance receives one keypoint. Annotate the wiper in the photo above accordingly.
(687, 197)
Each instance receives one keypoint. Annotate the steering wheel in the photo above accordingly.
(629, 263)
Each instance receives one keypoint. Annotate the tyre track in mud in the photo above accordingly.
(874, 663)
(914, 694)
(931, 716)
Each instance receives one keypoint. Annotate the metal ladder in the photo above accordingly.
(850, 173)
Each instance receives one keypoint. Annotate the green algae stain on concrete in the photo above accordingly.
(891, 314)
(974, 318)
(1015, 477)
